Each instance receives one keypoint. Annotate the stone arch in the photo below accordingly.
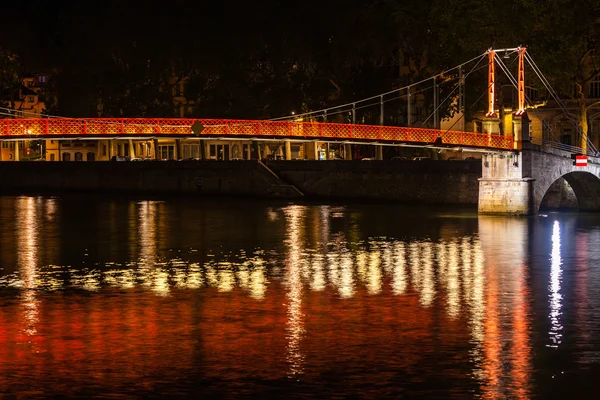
(78, 156)
(66, 156)
(585, 185)
(91, 156)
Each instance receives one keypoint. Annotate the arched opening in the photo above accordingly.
(66, 157)
(575, 190)
(90, 156)
(78, 156)
(559, 197)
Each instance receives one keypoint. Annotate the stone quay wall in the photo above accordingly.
(427, 182)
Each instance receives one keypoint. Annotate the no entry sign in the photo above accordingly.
(580, 161)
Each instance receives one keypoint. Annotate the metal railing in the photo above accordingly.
(562, 146)
(161, 127)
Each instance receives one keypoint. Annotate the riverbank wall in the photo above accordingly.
(428, 182)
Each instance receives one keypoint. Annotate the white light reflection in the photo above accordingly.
(361, 265)
(27, 258)
(295, 324)
(415, 264)
(428, 282)
(333, 270)
(453, 283)
(157, 279)
(555, 295)
(258, 282)
(346, 282)
(317, 282)
(475, 294)
(399, 279)
(226, 279)
(374, 272)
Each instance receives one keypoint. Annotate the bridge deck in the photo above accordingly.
(181, 127)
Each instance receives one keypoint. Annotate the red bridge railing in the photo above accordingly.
(128, 127)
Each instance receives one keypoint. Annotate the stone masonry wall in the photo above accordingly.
(447, 182)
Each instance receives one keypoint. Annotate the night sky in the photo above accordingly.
(265, 59)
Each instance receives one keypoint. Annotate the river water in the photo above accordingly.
(113, 297)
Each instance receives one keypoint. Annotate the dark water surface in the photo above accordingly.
(126, 298)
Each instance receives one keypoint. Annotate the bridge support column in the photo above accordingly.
(131, 149)
(502, 188)
(491, 125)
(256, 145)
(311, 150)
(203, 149)
(17, 155)
(151, 144)
(379, 152)
(155, 148)
(178, 152)
(288, 150)
(347, 152)
(521, 129)
(113, 147)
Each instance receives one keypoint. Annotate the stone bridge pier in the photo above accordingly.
(516, 182)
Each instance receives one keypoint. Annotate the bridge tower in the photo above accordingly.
(506, 185)
(491, 122)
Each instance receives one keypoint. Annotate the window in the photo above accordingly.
(478, 127)
(41, 78)
(51, 157)
(595, 89)
(78, 156)
(166, 152)
(66, 157)
(90, 156)
(530, 93)
(546, 129)
(103, 149)
(566, 137)
(31, 99)
(213, 150)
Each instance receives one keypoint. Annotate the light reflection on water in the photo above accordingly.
(555, 295)
(290, 292)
